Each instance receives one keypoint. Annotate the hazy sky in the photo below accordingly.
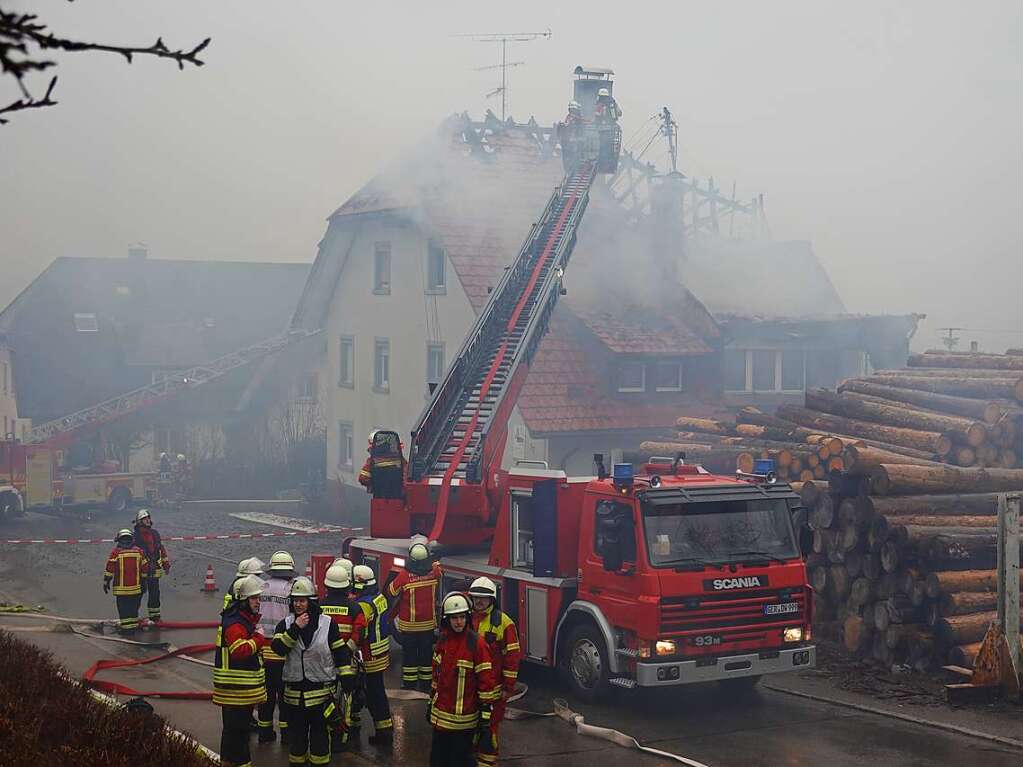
(887, 133)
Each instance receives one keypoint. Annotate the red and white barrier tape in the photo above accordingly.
(224, 537)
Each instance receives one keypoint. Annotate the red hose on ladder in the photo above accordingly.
(445, 491)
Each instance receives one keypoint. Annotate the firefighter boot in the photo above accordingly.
(425, 686)
(267, 735)
(384, 738)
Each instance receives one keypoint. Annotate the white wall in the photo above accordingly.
(9, 421)
(408, 317)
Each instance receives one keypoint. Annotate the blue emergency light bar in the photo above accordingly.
(622, 475)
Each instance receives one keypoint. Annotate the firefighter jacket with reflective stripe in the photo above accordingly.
(314, 658)
(463, 681)
(273, 608)
(238, 675)
(502, 638)
(127, 567)
(417, 599)
(379, 462)
(370, 632)
(337, 607)
(149, 541)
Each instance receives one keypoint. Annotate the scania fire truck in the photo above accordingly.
(667, 576)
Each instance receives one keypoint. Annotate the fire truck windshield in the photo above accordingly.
(716, 532)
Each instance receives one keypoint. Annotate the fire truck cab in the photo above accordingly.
(671, 577)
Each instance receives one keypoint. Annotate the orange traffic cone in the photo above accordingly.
(210, 585)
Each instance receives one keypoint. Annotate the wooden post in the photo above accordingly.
(1008, 571)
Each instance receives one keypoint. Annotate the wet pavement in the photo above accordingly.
(765, 728)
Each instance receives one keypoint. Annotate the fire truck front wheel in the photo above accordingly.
(584, 663)
(119, 500)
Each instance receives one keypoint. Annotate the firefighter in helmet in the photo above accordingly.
(464, 689)
(148, 539)
(606, 109)
(415, 590)
(273, 608)
(371, 631)
(126, 571)
(313, 653)
(498, 631)
(239, 681)
(383, 473)
(246, 567)
(338, 606)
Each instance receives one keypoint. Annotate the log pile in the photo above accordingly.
(899, 473)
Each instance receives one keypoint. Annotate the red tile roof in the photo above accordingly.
(639, 331)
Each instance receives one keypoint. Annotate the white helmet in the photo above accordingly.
(303, 587)
(603, 92)
(573, 106)
(125, 533)
(142, 514)
(338, 577)
(249, 586)
(483, 587)
(162, 456)
(455, 604)
(418, 552)
(282, 561)
(364, 576)
(345, 563)
(181, 457)
(250, 566)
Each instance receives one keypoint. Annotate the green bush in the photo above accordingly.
(47, 718)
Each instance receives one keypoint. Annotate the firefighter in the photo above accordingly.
(148, 539)
(383, 473)
(273, 608)
(248, 566)
(415, 588)
(337, 605)
(126, 568)
(313, 653)
(372, 634)
(502, 638)
(464, 689)
(606, 109)
(238, 678)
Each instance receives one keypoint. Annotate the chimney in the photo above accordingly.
(974, 346)
(138, 252)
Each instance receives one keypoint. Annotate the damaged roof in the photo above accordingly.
(87, 329)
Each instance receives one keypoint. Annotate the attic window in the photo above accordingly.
(668, 376)
(632, 377)
(86, 323)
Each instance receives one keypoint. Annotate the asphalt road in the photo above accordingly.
(702, 723)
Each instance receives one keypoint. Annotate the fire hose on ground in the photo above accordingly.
(561, 708)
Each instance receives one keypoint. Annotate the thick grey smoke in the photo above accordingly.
(886, 134)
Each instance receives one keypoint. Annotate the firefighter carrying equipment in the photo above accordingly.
(282, 561)
(364, 576)
(337, 577)
(238, 675)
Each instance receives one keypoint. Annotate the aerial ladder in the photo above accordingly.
(458, 442)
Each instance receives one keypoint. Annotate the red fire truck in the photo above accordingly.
(669, 577)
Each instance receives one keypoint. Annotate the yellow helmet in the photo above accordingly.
(249, 586)
(338, 577)
(250, 566)
(364, 576)
(282, 561)
(303, 587)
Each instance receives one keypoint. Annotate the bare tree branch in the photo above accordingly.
(23, 37)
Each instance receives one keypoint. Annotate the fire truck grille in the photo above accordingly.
(738, 612)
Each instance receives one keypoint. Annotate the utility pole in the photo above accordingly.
(950, 340)
(504, 38)
(669, 129)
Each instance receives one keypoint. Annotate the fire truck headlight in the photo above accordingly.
(664, 647)
(793, 634)
(399, 562)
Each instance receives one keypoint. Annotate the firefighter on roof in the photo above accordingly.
(371, 632)
(239, 682)
(148, 539)
(384, 470)
(314, 656)
(126, 571)
(338, 606)
(606, 110)
(464, 689)
(273, 608)
(416, 591)
(502, 639)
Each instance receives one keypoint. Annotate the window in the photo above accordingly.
(345, 445)
(86, 323)
(309, 387)
(382, 365)
(435, 276)
(763, 370)
(792, 370)
(632, 377)
(382, 268)
(735, 370)
(623, 525)
(668, 376)
(522, 530)
(346, 361)
(434, 363)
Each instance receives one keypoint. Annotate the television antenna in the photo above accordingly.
(951, 341)
(504, 38)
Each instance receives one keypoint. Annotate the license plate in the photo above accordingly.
(786, 607)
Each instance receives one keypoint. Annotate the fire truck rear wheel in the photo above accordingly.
(740, 684)
(584, 663)
(120, 500)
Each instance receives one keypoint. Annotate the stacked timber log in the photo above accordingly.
(899, 473)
